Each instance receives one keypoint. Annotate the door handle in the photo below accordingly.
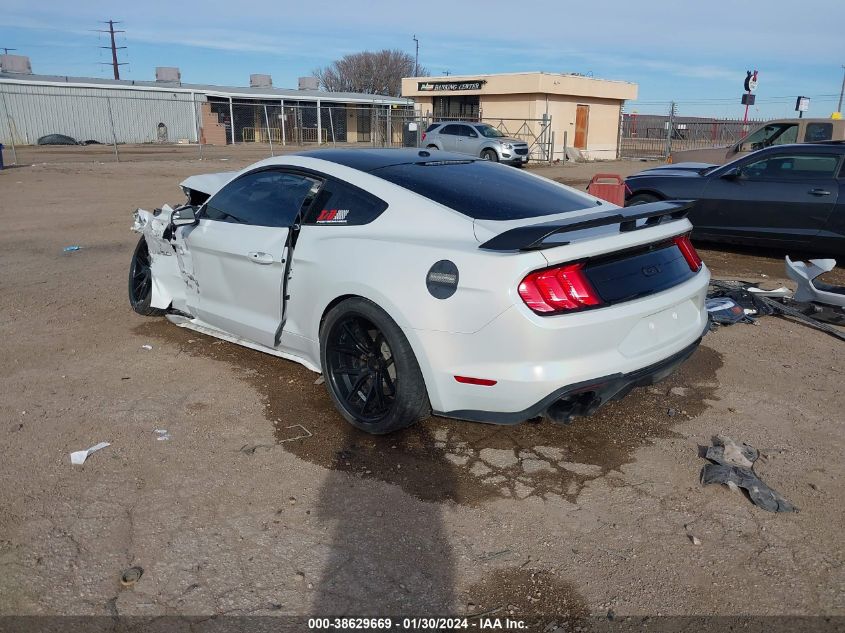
(819, 192)
(257, 257)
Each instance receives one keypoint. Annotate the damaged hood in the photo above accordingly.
(208, 183)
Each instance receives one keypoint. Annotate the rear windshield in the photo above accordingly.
(485, 190)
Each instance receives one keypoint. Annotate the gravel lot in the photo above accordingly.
(233, 516)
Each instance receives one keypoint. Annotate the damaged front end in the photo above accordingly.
(174, 286)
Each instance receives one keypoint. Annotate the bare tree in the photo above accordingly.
(369, 72)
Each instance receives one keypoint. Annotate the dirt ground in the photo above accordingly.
(263, 501)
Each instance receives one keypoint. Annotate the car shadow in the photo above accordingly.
(387, 552)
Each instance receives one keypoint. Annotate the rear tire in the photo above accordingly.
(370, 370)
(141, 281)
(489, 154)
(642, 198)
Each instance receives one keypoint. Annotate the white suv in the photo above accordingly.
(477, 139)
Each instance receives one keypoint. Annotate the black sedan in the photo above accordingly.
(785, 196)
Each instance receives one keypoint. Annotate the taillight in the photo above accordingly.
(558, 290)
(688, 251)
(423, 136)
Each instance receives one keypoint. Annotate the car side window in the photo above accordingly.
(454, 130)
(774, 134)
(818, 132)
(262, 198)
(468, 131)
(341, 203)
(792, 167)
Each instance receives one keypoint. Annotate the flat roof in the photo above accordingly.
(207, 89)
(515, 74)
(534, 82)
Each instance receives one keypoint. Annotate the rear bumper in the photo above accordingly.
(534, 358)
(585, 397)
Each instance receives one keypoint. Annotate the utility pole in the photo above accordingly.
(6, 50)
(841, 90)
(114, 48)
(416, 56)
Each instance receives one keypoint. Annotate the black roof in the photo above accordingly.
(371, 159)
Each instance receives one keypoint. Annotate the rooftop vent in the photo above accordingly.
(308, 83)
(260, 81)
(168, 73)
(15, 64)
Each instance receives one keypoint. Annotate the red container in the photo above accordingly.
(608, 187)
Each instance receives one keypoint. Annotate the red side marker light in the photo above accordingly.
(468, 380)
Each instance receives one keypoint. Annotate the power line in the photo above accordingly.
(114, 48)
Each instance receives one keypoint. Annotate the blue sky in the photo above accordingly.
(695, 53)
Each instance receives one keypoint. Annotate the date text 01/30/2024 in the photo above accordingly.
(415, 624)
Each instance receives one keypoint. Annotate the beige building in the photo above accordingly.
(584, 112)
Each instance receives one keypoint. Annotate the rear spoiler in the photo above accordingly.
(532, 236)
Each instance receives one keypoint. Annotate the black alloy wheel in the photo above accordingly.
(361, 368)
(141, 281)
(371, 372)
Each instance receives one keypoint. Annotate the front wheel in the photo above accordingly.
(490, 154)
(141, 281)
(370, 369)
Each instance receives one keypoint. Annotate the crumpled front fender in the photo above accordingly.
(170, 262)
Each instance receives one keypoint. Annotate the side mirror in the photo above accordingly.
(731, 174)
(184, 216)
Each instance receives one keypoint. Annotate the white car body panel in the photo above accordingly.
(209, 273)
(209, 183)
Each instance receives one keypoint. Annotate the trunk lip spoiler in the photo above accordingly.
(532, 236)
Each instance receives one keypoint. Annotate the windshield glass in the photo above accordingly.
(489, 131)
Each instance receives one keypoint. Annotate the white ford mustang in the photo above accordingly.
(421, 282)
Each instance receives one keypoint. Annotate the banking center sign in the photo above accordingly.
(450, 86)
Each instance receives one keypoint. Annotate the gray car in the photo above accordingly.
(478, 139)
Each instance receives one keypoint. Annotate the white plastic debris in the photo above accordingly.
(147, 346)
(78, 457)
(162, 435)
(811, 289)
(781, 293)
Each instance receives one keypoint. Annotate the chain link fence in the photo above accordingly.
(134, 124)
(658, 135)
(125, 125)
